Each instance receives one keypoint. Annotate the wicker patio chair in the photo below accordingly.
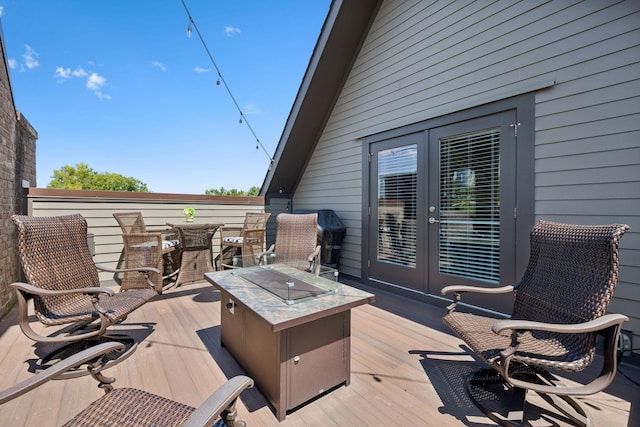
(63, 281)
(133, 407)
(246, 241)
(297, 241)
(559, 311)
(143, 247)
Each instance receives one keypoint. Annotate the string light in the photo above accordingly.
(222, 81)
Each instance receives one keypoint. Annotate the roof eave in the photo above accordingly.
(340, 40)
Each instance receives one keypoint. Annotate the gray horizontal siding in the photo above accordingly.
(424, 59)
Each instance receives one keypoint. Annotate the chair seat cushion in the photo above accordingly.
(546, 350)
(236, 239)
(132, 407)
(80, 309)
(169, 243)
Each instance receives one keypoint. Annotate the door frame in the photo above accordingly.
(524, 105)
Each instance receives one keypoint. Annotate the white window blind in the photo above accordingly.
(469, 240)
(397, 184)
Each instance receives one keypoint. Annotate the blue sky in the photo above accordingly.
(119, 85)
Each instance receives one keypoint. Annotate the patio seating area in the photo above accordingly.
(406, 369)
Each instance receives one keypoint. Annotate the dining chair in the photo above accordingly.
(246, 241)
(143, 247)
(296, 241)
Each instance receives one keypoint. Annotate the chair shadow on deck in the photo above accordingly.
(139, 332)
(450, 372)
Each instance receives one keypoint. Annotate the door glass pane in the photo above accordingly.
(469, 239)
(397, 182)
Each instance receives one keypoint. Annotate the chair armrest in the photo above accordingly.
(608, 325)
(34, 290)
(124, 270)
(25, 289)
(314, 261)
(458, 290)
(222, 400)
(595, 325)
(57, 369)
(477, 289)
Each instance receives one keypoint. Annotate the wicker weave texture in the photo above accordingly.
(55, 256)
(132, 407)
(570, 278)
(143, 248)
(296, 238)
(131, 222)
(195, 251)
(248, 240)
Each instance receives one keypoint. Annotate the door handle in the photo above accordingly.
(432, 220)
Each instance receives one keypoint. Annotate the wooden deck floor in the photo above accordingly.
(406, 369)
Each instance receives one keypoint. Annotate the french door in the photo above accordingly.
(443, 206)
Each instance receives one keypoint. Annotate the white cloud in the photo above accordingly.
(160, 65)
(201, 70)
(79, 72)
(252, 109)
(231, 31)
(29, 56)
(94, 81)
(66, 73)
(102, 96)
(63, 73)
(1, 10)
(12, 63)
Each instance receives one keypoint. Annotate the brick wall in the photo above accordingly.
(17, 164)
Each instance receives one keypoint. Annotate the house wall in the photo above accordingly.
(17, 164)
(423, 59)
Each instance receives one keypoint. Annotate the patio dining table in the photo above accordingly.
(195, 250)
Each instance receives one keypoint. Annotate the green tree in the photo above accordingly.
(82, 177)
(253, 191)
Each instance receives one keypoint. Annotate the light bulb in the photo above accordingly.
(189, 31)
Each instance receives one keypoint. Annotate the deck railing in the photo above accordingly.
(158, 209)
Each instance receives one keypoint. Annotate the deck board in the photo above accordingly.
(406, 369)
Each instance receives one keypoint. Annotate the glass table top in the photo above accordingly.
(286, 286)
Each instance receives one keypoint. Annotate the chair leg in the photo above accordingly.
(67, 350)
(567, 405)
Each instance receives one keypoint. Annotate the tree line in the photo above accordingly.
(83, 177)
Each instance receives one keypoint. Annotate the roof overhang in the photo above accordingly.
(340, 40)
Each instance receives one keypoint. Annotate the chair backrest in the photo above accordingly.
(255, 220)
(296, 236)
(55, 255)
(130, 222)
(572, 272)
